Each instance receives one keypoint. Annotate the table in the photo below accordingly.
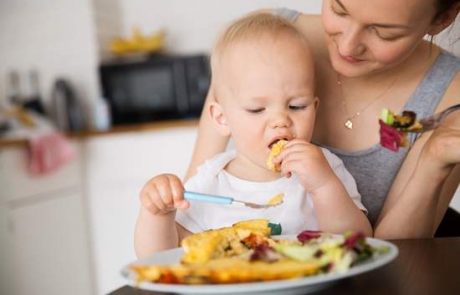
(423, 266)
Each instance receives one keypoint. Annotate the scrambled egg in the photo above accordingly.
(276, 199)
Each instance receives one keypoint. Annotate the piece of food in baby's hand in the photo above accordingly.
(394, 128)
(276, 149)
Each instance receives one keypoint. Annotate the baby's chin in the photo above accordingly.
(251, 170)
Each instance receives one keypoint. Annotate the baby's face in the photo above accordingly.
(266, 90)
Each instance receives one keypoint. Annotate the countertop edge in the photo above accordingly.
(142, 127)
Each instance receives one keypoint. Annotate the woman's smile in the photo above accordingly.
(350, 59)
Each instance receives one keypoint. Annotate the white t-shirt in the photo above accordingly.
(295, 214)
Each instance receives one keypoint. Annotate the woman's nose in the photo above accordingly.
(350, 42)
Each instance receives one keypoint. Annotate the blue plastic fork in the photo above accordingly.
(223, 200)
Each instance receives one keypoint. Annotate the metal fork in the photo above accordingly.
(224, 200)
(432, 122)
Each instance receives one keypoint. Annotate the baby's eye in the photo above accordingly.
(297, 107)
(255, 111)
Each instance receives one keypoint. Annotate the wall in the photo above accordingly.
(108, 18)
(55, 37)
(193, 25)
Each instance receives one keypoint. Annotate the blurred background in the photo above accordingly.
(97, 96)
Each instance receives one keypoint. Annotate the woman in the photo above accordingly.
(371, 55)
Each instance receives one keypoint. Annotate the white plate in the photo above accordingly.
(294, 286)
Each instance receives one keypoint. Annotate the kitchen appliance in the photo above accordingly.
(157, 88)
(66, 108)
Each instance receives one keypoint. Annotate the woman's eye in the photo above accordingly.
(338, 11)
(297, 107)
(383, 36)
(255, 111)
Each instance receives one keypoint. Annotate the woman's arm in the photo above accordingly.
(208, 142)
(427, 180)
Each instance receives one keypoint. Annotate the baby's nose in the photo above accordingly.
(280, 120)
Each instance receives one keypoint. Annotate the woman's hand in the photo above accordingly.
(163, 194)
(424, 185)
(308, 162)
(442, 149)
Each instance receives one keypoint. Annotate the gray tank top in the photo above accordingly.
(374, 169)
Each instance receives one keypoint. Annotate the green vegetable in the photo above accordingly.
(275, 228)
(297, 252)
(387, 117)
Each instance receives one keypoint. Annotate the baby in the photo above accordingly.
(263, 84)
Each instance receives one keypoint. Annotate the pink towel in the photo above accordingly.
(48, 152)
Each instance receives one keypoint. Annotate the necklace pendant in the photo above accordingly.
(349, 124)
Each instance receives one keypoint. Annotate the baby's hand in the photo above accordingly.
(308, 162)
(163, 194)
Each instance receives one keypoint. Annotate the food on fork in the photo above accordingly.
(394, 128)
(276, 199)
(276, 149)
(245, 252)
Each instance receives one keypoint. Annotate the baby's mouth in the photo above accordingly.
(276, 140)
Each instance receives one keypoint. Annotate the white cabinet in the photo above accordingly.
(43, 233)
(117, 166)
(47, 254)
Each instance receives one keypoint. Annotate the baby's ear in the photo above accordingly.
(218, 117)
(316, 103)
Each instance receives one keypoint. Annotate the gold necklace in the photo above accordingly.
(349, 121)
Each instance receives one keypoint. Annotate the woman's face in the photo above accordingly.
(371, 36)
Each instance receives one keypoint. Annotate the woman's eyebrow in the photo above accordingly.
(385, 26)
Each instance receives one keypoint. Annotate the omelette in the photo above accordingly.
(245, 252)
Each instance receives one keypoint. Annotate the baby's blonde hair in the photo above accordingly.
(253, 27)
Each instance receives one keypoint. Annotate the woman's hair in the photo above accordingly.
(251, 28)
(444, 5)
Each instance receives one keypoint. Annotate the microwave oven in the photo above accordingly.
(157, 88)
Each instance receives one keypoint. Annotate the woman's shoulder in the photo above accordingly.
(309, 24)
(452, 94)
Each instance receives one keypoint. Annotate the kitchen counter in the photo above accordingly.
(159, 125)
